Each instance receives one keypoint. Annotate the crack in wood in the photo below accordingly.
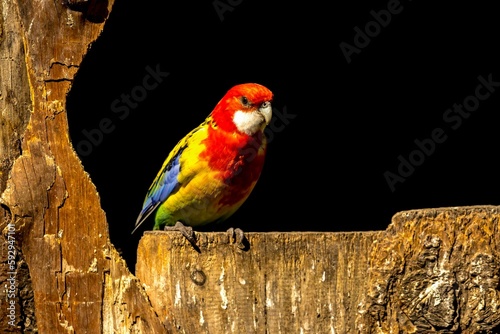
(445, 280)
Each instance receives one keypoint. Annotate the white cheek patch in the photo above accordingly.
(248, 122)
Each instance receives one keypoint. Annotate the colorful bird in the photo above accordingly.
(214, 168)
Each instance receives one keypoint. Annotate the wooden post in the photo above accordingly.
(284, 282)
(431, 271)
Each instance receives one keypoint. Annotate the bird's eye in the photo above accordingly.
(245, 101)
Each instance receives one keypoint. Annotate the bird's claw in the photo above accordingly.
(238, 236)
(187, 231)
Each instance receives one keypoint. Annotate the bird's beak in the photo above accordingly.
(267, 111)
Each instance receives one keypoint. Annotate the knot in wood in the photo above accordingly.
(198, 277)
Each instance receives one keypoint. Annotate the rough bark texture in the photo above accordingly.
(15, 107)
(432, 271)
(54, 229)
(435, 270)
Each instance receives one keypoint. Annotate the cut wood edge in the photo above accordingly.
(433, 268)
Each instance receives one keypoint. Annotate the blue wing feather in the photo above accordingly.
(162, 187)
(166, 181)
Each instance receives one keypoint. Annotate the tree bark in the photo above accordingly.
(62, 273)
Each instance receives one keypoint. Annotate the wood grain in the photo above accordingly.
(78, 281)
(432, 271)
(284, 283)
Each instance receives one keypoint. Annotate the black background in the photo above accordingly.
(325, 168)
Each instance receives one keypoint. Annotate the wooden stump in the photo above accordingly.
(434, 270)
(284, 282)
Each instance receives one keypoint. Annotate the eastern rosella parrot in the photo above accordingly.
(214, 168)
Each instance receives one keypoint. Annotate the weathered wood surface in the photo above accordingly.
(431, 271)
(66, 275)
(15, 107)
(283, 283)
(435, 270)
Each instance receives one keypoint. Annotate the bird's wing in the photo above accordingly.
(161, 188)
(166, 180)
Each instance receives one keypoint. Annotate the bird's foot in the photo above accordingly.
(187, 231)
(238, 236)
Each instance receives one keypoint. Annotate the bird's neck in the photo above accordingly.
(224, 149)
(221, 140)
